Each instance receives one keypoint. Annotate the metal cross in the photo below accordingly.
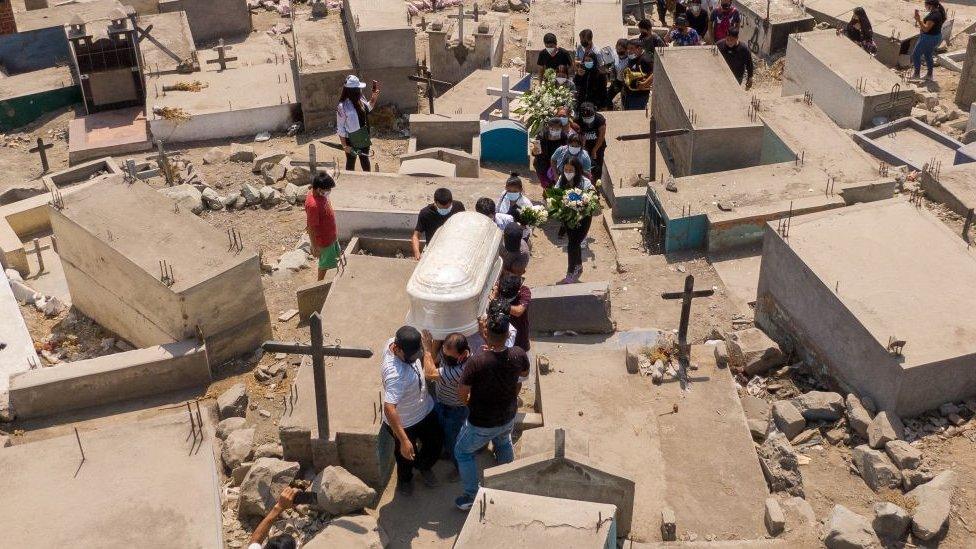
(318, 352)
(41, 149)
(506, 94)
(461, 16)
(222, 58)
(425, 77)
(475, 12)
(653, 131)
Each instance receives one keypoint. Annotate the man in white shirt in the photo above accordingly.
(408, 410)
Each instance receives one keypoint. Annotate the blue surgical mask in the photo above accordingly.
(588, 64)
(513, 196)
(563, 120)
(444, 211)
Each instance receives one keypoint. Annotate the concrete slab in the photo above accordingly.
(170, 491)
(555, 16)
(469, 96)
(117, 132)
(427, 167)
(954, 186)
(216, 292)
(323, 64)
(51, 280)
(111, 378)
(909, 142)
(18, 354)
(168, 45)
(583, 308)
(836, 267)
(451, 59)
(211, 20)
(894, 29)
(766, 26)
(724, 135)
(62, 14)
(464, 163)
(27, 96)
(846, 82)
(739, 271)
(513, 519)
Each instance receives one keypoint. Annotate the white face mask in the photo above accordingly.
(573, 150)
(631, 56)
(555, 134)
(552, 51)
(444, 211)
(569, 175)
(589, 119)
(561, 79)
(326, 194)
(696, 9)
(513, 196)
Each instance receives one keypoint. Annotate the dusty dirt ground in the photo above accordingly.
(637, 280)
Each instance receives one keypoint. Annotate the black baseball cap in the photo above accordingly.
(407, 338)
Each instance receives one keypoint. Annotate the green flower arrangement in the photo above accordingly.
(540, 103)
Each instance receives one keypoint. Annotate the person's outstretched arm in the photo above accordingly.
(285, 501)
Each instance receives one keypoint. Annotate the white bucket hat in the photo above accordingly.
(352, 81)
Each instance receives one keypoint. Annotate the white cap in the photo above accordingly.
(352, 81)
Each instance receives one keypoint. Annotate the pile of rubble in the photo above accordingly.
(255, 474)
(787, 413)
(950, 118)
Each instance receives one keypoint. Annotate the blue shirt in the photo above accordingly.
(562, 154)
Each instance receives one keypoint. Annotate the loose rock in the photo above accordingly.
(228, 426)
(903, 454)
(270, 449)
(266, 158)
(884, 427)
(232, 402)
(775, 519)
(875, 468)
(237, 448)
(241, 153)
(780, 466)
(359, 531)
(187, 197)
(890, 521)
(339, 492)
(848, 530)
(820, 406)
(251, 195)
(788, 419)
(262, 484)
(931, 514)
(211, 199)
(753, 352)
(215, 155)
(858, 416)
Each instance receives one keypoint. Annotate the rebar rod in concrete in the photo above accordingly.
(80, 448)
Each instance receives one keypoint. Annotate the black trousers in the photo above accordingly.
(576, 237)
(427, 438)
(662, 9)
(596, 158)
(363, 161)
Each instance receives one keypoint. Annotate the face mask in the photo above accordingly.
(573, 150)
(452, 361)
(621, 54)
(569, 175)
(696, 10)
(589, 119)
(560, 79)
(563, 120)
(555, 134)
(325, 194)
(513, 196)
(552, 51)
(588, 64)
(444, 211)
(631, 56)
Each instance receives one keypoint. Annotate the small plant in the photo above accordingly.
(541, 102)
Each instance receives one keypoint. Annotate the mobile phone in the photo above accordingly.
(305, 498)
(375, 85)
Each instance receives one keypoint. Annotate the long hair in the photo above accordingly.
(577, 176)
(355, 96)
(862, 16)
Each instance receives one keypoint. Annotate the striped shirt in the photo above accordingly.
(447, 385)
(405, 387)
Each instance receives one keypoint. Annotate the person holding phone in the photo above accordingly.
(929, 38)
(352, 121)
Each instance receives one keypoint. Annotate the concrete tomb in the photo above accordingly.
(451, 57)
(461, 163)
(505, 141)
(157, 274)
(18, 354)
(913, 143)
(502, 518)
(724, 135)
(166, 43)
(167, 479)
(106, 57)
(383, 45)
(954, 186)
(323, 63)
(452, 139)
(844, 80)
(115, 132)
(807, 164)
(966, 91)
(211, 20)
(767, 25)
(426, 167)
(25, 97)
(847, 297)
(471, 96)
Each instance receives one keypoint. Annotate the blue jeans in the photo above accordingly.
(925, 46)
(451, 418)
(470, 440)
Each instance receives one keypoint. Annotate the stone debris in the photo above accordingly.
(903, 454)
(848, 530)
(237, 448)
(339, 492)
(266, 158)
(294, 194)
(211, 200)
(820, 406)
(780, 466)
(262, 484)
(232, 402)
(187, 197)
(753, 352)
(228, 426)
(294, 261)
(931, 513)
(774, 518)
(250, 194)
(883, 428)
(215, 155)
(269, 196)
(875, 468)
(241, 153)
(757, 416)
(272, 173)
(914, 478)
(268, 450)
(788, 419)
(359, 531)
(890, 521)
(858, 417)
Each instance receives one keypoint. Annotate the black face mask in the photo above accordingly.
(451, 361)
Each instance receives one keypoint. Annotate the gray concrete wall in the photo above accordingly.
(215, 19)
(398, 89)
(220, 125)
(723, 149)
(800, 312)
(111, 378)
(765, 38)
(33, 50)
(444, 130)
(966, 92)
(582, 308)
(929, 386)
(318, 93)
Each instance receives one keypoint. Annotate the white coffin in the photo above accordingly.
(449, 288)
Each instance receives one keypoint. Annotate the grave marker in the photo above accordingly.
(505, 93)
(41, 150)
(653, 134)
(132, 172)
(685, 296)
(222, 58)
(425, 77)
(475, 13)
(162, 160)
(461, 16)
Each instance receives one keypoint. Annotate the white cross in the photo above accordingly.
(461, 16)
(506, 94)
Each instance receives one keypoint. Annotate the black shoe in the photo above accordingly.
(430, 479)
(405, 488)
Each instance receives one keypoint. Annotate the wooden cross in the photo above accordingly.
(162, 160)
(312, 162)
(133, 173)
(41, 149)
(653, 134)
(318, 352)
(426, 78)
(505, 93)
(461, 16)
(684, 349)
(222, 58)
(475, 12)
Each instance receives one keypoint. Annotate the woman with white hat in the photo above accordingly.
(352, 121)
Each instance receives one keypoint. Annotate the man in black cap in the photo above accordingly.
(408, 410)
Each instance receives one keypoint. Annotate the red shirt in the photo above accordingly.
(321, 219)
